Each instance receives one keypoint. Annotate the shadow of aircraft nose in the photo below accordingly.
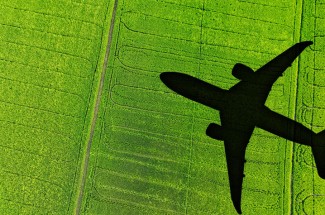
(172, 78)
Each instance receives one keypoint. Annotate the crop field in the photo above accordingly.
(87, 127)
(48, 58)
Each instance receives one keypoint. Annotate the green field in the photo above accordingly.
(87, 127)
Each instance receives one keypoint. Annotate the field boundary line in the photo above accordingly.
(290, 149)
(84, 167)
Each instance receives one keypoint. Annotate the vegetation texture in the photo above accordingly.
(87, 127)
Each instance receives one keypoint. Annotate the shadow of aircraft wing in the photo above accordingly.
(274, 68)
(284, 127)
(236, 135)
(235, 148)
(296, 132)
(258, 84)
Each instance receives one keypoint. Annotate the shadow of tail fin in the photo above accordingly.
(318, 149)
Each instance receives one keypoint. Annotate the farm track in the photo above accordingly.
(95, 113)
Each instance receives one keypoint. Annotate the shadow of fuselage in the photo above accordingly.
(242, 108)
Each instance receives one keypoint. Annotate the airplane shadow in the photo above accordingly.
(242, 109)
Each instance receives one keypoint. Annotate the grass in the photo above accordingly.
(149, 153)
(48, 57)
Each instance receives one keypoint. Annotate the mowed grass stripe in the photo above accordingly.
(116, 205)
(133, 97)
(133, 144)
(124, 183)
(159, 193)
(125, 117)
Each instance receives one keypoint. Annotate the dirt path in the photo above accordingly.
(95, 113)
